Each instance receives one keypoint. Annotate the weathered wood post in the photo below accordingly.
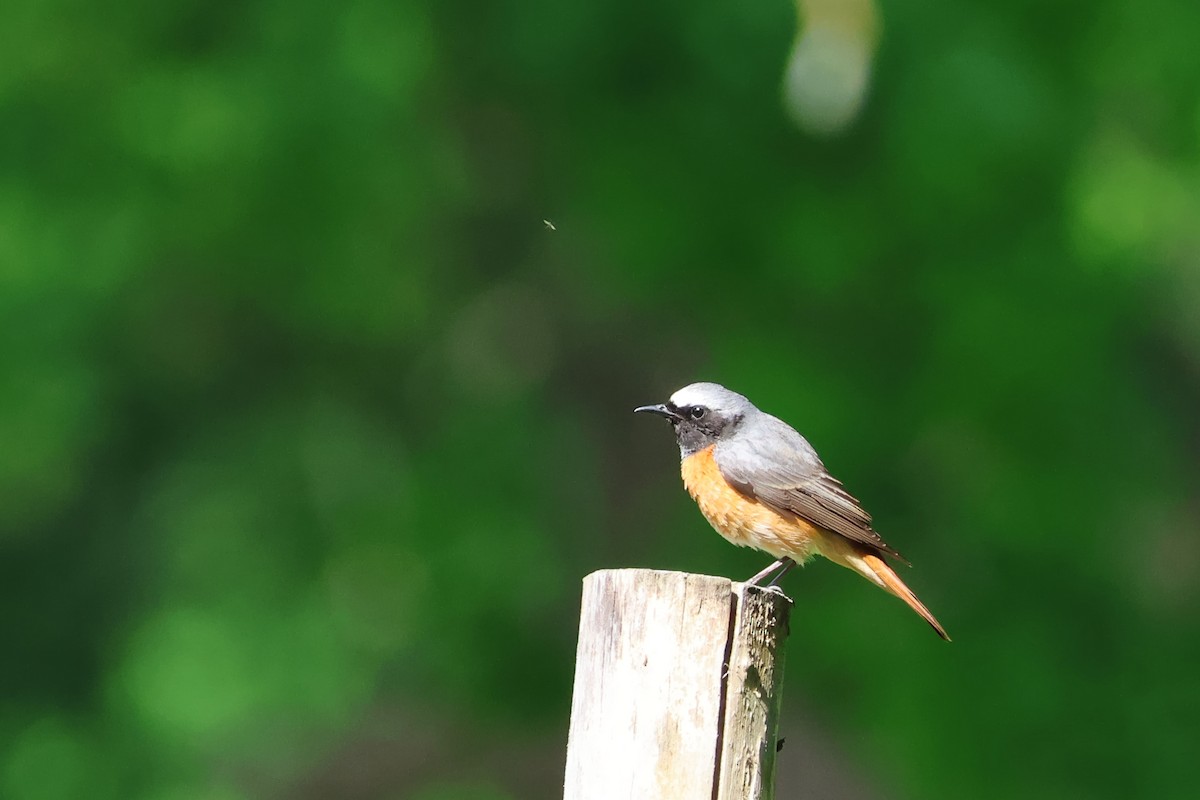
(677, 688)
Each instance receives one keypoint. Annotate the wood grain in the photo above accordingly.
(676, 688)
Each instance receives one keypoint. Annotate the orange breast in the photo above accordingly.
(743, 520)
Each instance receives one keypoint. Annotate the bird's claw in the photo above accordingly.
(775, 589)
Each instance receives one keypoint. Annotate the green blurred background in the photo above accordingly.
(310, 427)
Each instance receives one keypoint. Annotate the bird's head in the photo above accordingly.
(701, 414)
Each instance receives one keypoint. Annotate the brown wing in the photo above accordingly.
(791, 479)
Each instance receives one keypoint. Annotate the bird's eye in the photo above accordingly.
(697, 412)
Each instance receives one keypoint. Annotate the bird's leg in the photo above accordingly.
(787, 567)
(783, 564)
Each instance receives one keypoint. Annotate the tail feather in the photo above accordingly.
(889, 580)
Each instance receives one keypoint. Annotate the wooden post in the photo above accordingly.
(677, 688)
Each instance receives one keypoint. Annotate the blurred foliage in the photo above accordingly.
(309, 426)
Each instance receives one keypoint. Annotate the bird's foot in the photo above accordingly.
(775, 589)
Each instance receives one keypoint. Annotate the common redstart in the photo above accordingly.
(761, 485)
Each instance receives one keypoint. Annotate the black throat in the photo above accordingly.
(695, 435)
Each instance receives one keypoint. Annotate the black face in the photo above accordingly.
(696, 427)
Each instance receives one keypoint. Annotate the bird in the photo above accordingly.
(760, 484)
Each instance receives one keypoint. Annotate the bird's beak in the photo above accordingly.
(660, 409)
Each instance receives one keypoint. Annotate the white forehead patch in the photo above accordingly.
(709, 395)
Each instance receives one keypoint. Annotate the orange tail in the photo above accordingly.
(891, 581)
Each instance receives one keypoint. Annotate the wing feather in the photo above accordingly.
(784, 472)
